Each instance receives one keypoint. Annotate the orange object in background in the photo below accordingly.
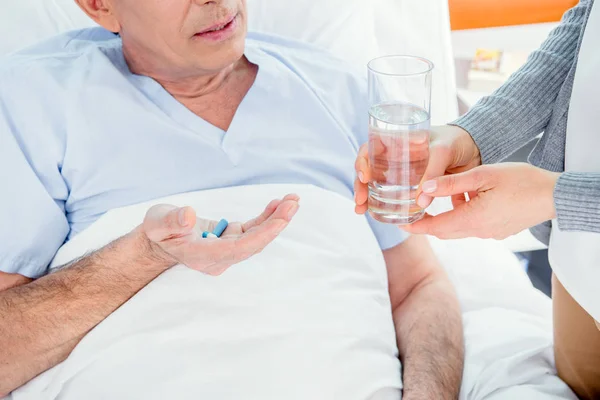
(472, 14)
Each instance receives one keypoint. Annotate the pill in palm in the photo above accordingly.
(220, 228)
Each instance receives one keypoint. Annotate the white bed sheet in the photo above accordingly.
(507, 322)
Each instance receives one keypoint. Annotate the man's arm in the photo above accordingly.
(41, 322)
(428, 321)
(8, 281)
(522, 107)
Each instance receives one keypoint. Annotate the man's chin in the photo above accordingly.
(219, 60)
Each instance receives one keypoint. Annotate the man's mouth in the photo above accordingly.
(221, 26)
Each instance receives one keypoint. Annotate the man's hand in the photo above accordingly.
(451, 150)
(504, 199)
(178, 234)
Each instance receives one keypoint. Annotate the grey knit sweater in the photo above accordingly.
(534, 100)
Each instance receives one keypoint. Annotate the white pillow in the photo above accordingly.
(25, 22)
(344, 27)
(354, 30)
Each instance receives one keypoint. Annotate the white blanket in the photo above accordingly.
(309, 318)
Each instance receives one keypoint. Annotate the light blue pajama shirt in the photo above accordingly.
(80, 135)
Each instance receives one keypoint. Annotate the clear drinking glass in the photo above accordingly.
(399, 126)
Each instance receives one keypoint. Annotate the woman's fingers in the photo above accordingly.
(449, 225)
(458, 200)
(362, 209)
(450, 185)
(362, 164)
(363, 173)
(440, 158)
(361, 193)
(472, 195)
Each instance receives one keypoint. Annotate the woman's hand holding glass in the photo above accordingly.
(451, 150)
(492, 201)
(504, 199)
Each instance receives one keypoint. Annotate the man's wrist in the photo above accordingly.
(151, 252)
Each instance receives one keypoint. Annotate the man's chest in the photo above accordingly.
(133, 153)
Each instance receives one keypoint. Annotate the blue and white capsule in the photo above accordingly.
(218, 231)
(220, 228)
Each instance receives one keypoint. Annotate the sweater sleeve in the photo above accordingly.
(577, 202)
(518, 111)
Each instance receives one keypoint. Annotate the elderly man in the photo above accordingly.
(180, 100)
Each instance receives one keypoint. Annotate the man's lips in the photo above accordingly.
(222, 25)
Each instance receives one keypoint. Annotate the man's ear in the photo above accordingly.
(101, 11)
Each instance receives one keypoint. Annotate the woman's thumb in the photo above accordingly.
(451, 185)
(439, 160)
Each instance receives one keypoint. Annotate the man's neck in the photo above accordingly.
(214, 97)
(203, 85)
(189, 85)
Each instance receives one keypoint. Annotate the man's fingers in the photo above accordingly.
(291, 196)
(225, 252)
(450, 185)
(257, 238)
(165, 221)
(269, 210)
(363, 171)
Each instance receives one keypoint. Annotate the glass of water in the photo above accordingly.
(399, 125)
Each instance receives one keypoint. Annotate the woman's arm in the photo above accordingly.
(521, 109)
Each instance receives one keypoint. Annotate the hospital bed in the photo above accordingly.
(507, 321)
